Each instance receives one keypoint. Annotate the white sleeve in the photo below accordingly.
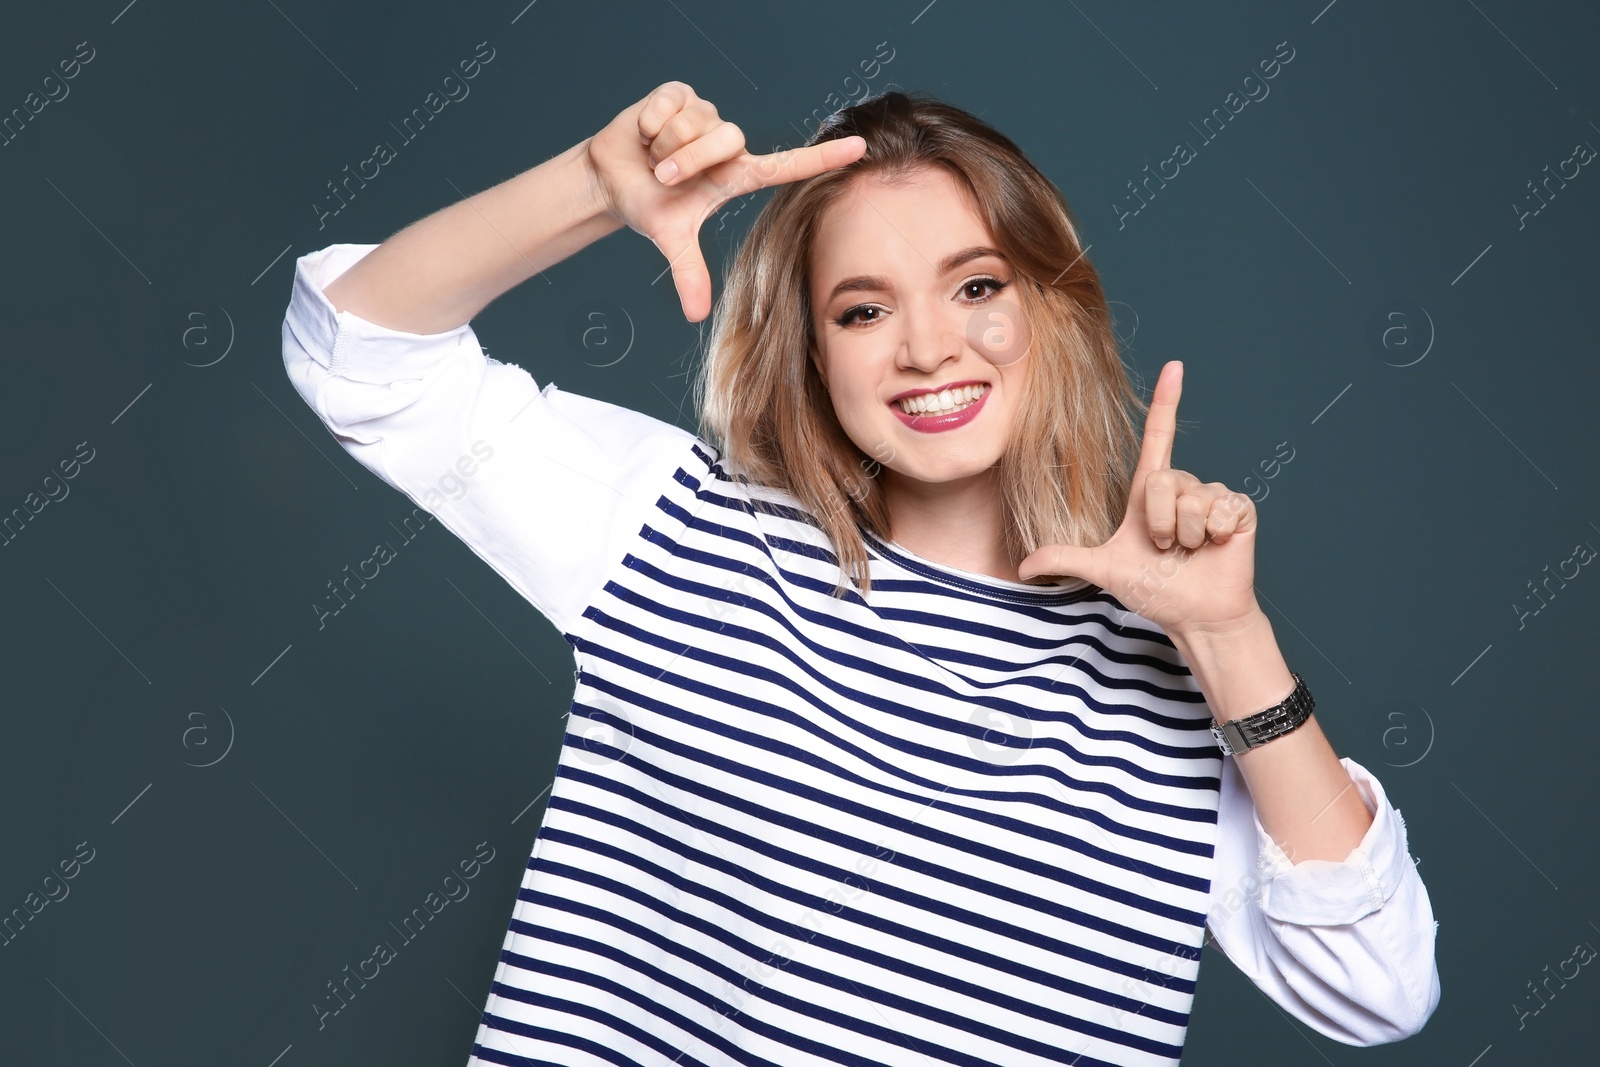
(1345, 946)
(546, 486)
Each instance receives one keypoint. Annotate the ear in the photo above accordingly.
(816, 361)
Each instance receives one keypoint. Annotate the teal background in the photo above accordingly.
(157, 618)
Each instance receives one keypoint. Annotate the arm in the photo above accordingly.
(1314, 895)
(548, 487)
(376, 342)
(1341, 932)
(1306, 800)
(1346, 947)
(442, 270)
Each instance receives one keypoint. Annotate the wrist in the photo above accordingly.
(1239, 668)
(1220, 636)
(597, 198)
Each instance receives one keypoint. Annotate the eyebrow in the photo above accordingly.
(876, 283)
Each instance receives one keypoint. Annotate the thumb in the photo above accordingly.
(1071, 561)
(689, 272)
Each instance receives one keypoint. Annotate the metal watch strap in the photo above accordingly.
(1250, 731)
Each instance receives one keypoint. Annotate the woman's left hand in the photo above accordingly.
(1184, 556)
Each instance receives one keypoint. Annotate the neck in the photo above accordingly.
(957, 524)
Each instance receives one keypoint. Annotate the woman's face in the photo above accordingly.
(903, 287)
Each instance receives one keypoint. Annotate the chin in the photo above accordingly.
(952, 469)
(952, 456)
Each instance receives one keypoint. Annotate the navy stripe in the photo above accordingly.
(919, 936)
(1201, 783)
(884, 997)
(804, 650)
(909, 827)
(589, 1011)
(713, 1034)
(876, 636)
(1195, 723)
(947, 793)
(551, 935)
(917, 904)
(571, 1007)
(482, 1053)
(880, 699)
(736, 769)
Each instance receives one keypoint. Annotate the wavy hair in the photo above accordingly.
(1067, 468)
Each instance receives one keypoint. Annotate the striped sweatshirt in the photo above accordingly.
(959, 820)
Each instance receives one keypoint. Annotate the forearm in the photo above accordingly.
(440, 271)
(1302, 794)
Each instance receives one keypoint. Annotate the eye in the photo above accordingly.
(995, 282)
(852, 316)
(849, 317)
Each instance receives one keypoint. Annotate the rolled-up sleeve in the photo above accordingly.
(545, 486)
(1345, 946)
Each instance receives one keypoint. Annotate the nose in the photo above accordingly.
(930, 340)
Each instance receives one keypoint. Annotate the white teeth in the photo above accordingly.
(942, 402)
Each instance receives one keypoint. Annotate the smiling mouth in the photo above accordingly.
(942, 403)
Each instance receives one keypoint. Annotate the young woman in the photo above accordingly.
(846, 778)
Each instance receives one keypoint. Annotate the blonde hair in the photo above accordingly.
(1067, 468)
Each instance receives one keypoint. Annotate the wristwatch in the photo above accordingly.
(1251, 731)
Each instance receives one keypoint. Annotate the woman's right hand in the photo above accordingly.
(674, 126)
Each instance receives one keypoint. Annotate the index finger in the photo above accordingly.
(1161, 424)
(751, 172)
